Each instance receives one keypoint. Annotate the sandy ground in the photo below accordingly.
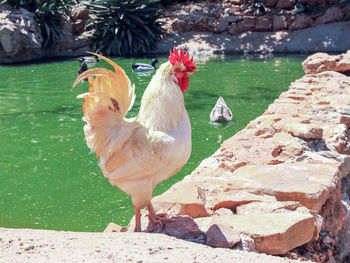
(27, 245)
(332, 37)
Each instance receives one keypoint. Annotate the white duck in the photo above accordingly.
(144, 67)
(220, 112)
(89, 59)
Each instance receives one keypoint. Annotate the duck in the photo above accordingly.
(83, 68)
(301, 8)
(144, 67)
(89, 59)
(260, 9)
(220, 112)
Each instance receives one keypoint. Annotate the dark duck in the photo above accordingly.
(144, 67)
(83, 68)
(259, 9)
(301, 8)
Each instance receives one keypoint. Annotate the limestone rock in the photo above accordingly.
(221, 26)
(20, 37)
(343, 64)
(254, 208)
(79, 12)
(346, 11)
(223, 236)
(322, 2)
(248, 243)
(247, 24)
(304, 130)
(301, 21)
(333, 212)
(337, 138)
(79, 16)
(279, 22)
(272, 233)
(234, 29)
(78, 27)
(182, 227)
(263, 24)
(321, 62)
(181, 199)
(270, 3)
(284, 4)
(332, 14)
(112, 227)
(344, 244)
(222, 211)
(223, 197)
(309, 184)
(267, 145)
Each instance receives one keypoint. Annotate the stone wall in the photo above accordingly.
(21, 39)
(282, 183)
(237, 16)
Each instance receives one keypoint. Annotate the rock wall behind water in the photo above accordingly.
(230, 25)
(237, 16)
(21, 39)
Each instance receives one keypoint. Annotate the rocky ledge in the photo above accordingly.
(326, 38)
(280, 186)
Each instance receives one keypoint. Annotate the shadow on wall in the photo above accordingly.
(323, 38)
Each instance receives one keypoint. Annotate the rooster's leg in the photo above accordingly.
(157, 218)
(137, 219)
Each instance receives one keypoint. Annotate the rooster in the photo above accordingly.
(136, 154)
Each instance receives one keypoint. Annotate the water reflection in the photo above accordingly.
(142, 76)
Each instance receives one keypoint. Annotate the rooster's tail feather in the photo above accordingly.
(113, 85)
(110, 97)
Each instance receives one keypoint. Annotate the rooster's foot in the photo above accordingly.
(157, 221)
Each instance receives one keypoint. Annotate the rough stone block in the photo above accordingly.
(223, 236)
(272, 233)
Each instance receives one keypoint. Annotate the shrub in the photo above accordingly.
(124, 27)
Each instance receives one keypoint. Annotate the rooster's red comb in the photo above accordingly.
(185, 59)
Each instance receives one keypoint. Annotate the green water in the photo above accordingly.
(48, 178)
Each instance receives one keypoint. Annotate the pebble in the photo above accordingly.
(28, 247)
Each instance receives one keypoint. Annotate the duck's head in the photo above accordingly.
(97, 58)
(154, 62)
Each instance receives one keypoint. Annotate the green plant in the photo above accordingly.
(125, 27)
(48, 14)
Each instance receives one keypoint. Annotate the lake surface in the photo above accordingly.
(48, 177)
